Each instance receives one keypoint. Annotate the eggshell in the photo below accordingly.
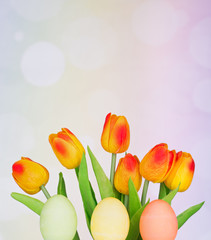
(158, 221)
(110, 220)
(58, 219)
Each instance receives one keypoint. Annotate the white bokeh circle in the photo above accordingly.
(90, 43)
(156, 22)
(16, 139)
(200, 42)
(202, 95)
(43, 64)
(37, 10)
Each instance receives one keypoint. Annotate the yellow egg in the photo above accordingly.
(110, 220)
(158, 221)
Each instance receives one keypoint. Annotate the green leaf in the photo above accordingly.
(134, 224)
(85, 188)
(105, 187)
(134, 201)
(168, 198)
(76, 237)
(61, 189)
(32, 203)
(184, 216)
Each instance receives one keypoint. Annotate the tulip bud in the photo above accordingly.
(67, 148)
(29, 175)
(128, 167)
(182, 172)
(157, 163)
(110, 220)
(116, 134)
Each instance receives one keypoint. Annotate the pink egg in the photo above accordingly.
(158, 221)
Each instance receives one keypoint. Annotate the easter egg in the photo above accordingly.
(58, 219)
(158, 221)
(110, 220)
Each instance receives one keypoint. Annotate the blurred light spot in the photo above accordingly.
(202, 96)
(156, 22)
(37, 10)
(200, 42)
(16, 139)
(19, 36)
(43, 64)
(101, 103)
(90, 43)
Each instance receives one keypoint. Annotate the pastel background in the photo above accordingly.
(66, 63)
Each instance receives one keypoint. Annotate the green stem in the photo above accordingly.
(126, 201)
(144, 192)
(113, 166)
(46, 193)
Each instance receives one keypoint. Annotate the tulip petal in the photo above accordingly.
(67, 153)
(106, 132)
(157, 163)
(120, 136)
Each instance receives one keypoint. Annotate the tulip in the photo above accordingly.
(110, 220)
(158, 221)
(157, 163)
(127, 168)
(116, 134)
(67, 148)
(182, 172)
(29, 175)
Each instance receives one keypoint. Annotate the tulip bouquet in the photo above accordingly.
(120, 213)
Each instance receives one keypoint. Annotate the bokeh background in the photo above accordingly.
(67, 63)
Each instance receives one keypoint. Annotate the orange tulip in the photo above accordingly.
(29, 175)
(182, 172)
(128, 167)
(157, 163)
(116, 134)
(67, 148)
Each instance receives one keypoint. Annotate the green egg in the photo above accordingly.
(58, 219)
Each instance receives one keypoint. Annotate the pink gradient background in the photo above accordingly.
(68, 63)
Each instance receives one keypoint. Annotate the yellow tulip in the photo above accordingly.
(182, 172)
(116, 134)
(29, 175)
(127, 168)
(67, 148)
(157, 163)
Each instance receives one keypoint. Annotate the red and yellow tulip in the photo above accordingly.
(182, 172)
(157, 163)
(116, 134)
(29, 175)
(127, 168)
(67, 148)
